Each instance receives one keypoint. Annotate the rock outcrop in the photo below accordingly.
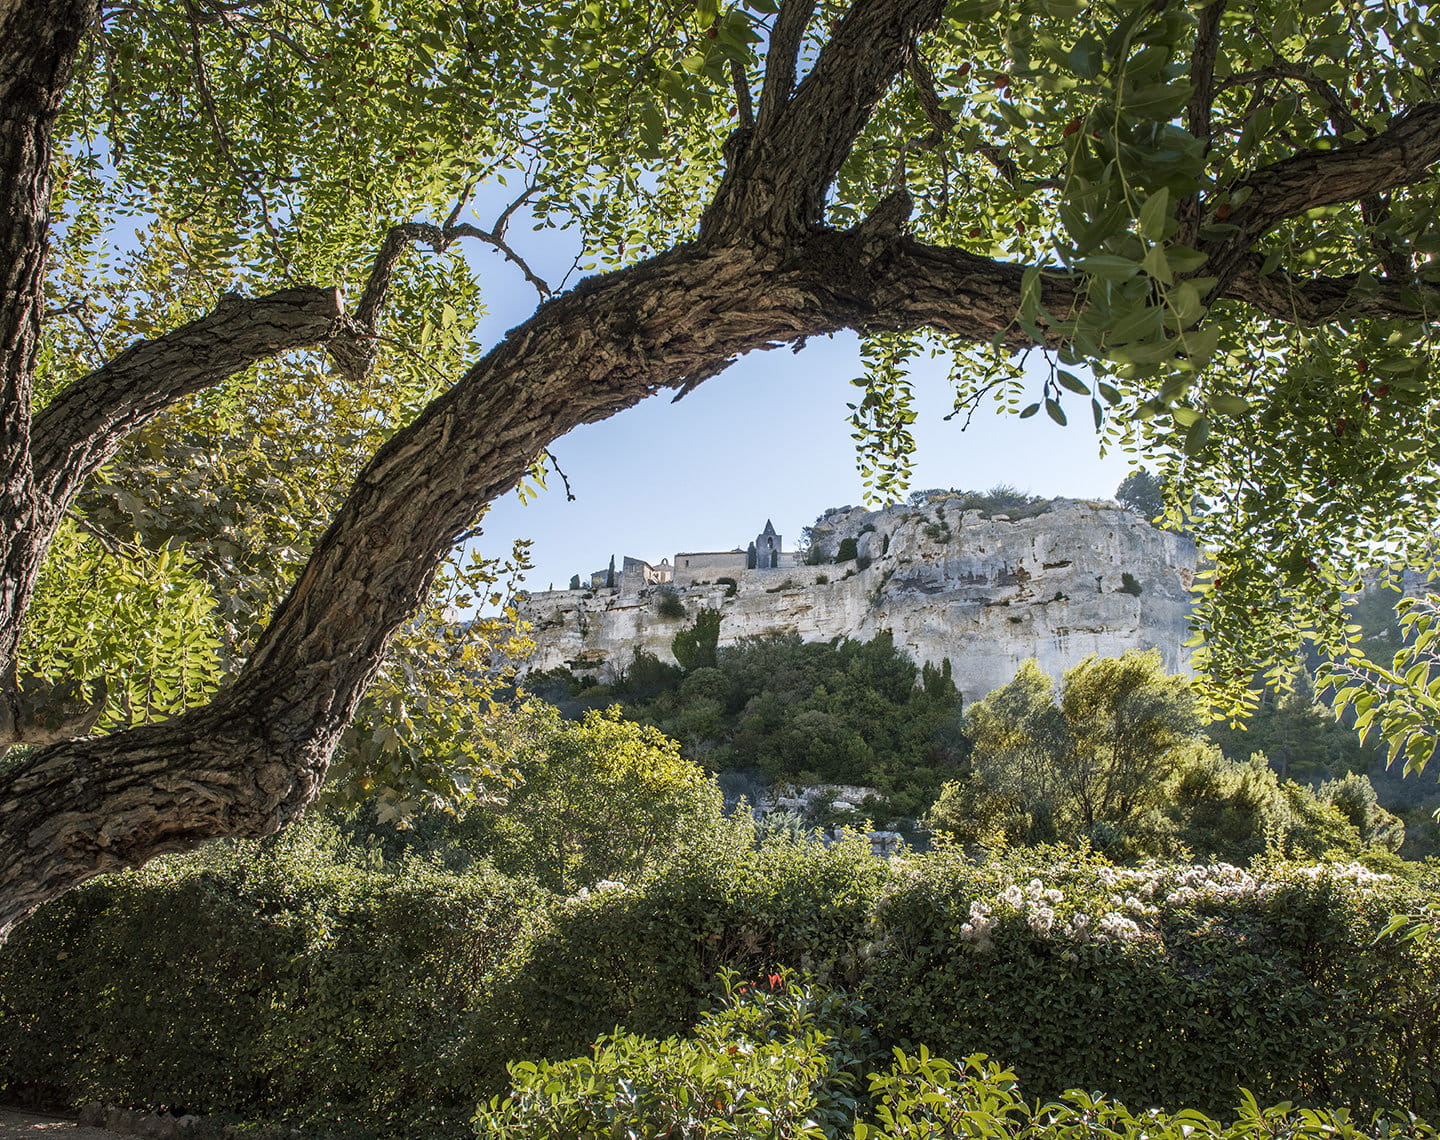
(986, 592)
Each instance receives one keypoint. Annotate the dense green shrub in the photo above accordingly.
(279, 985)
(648, 959)
(273, 982)
(286, 986)
(1219, 808)
(754, 1071)
(1163, 985)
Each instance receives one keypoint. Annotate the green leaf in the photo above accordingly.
(1183, 259)
(1087, 57)
(1154, 214)
(1055, 411)
(1224, 405)
(1185, 302)
(1197, 436)
(1157, 264)
(1108, 266)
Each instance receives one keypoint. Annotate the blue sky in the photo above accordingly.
(766, 439)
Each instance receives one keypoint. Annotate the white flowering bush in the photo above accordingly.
(1164, 983)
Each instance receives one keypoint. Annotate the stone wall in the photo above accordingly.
(1078, 579)
(703, 566)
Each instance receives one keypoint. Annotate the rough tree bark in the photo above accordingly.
(762, 271)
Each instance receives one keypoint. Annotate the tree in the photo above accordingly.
(1157, 190)
(1018, 738)
(1141, 491)
(595, 800)
(694, 648)
(1126, 717)
(1100, 755)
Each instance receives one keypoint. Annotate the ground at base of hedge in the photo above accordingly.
(35, 1126)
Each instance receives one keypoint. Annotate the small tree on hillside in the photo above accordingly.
(694, 648)
(1142, 492)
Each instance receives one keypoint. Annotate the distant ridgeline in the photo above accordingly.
(948, 575)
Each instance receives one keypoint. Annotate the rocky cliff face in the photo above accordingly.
(986, 592)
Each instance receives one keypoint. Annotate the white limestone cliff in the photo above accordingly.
(1080, 578)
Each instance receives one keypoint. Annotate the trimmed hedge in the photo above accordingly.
(279, 987)
(274, 983)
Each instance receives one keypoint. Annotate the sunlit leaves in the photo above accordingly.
(141, 621)
(421, 736)
(1398, 701)
(881, 418)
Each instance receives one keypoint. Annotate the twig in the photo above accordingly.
(465, 229)
(555, 463)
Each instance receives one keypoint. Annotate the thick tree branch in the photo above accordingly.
(37, 712)
(87, 421)
(941, 121)
(1405, 152)
(1202, 99)
(782, 59)
(775, 184)
(38, 42)
(1312, 301)
(744, 108)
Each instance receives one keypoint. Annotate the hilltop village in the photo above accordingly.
(692, 567)
(1055, 580)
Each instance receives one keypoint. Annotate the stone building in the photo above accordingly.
(693, 566)
(767, 549)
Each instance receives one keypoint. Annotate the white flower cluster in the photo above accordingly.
(1176, 885)
(1136, 896)
(1118, 928)
(604, 886)
(977, 930)
(1035, 902)
(1356, 873)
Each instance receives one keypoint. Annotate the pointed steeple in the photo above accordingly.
(769, 527)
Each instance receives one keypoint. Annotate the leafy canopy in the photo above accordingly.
(1276, 361)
